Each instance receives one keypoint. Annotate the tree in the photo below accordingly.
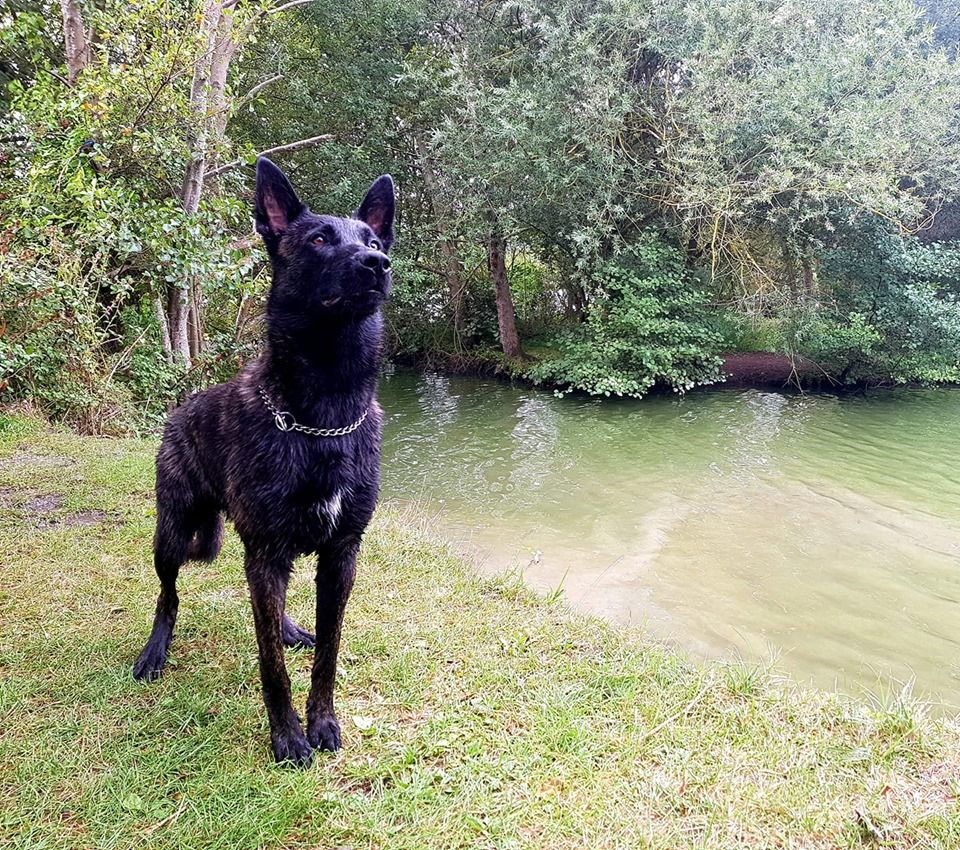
(776, 119)
(506, 314)
(535, 143)
(174, 54)
(485, 66)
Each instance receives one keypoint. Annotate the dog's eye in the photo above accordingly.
(375, 244)
(319, 240)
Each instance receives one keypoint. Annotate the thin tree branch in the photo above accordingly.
(682, 713)
(290, 146)
(288, 5)
(268, 11)
(243, 100)
(245, 32)
(250, 95)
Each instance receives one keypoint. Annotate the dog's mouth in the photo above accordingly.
(376, 292)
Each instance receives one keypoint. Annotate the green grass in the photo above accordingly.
(475, 714)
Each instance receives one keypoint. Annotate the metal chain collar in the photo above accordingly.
(285, 421)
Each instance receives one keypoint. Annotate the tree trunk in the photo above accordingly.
(506, 314)
(208, 103)
(224, 50)
(195, 326)
(453, 278)
(791, 270)
(808, 264)
(576, 302)
(158, 308)
(200, 96)
(178, 314)
(76, 43)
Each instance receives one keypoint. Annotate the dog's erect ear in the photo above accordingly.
(377, 209)
(277, 204)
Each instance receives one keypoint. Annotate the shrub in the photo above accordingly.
(54, 344)
(748, 331)
(893, 314)
(646, 325)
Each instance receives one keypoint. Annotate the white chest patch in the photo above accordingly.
(331, 508)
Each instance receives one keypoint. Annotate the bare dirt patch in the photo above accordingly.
(45, 510)
(91, 517)
(21, 458)
(45, 504)
(766, 369)
(75, 519)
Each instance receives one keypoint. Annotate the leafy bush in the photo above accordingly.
(894, 314)
(416, 316)
(533, 285)
(419, 319)
(54, 349)
(645, 325)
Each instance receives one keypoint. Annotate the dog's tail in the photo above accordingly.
(206, 542)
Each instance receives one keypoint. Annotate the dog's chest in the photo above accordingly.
(322, 495)
(313, 515)
(305, 492)
(330, 510)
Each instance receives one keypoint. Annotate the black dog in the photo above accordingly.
(289, 449)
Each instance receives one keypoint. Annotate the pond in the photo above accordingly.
(820, 530)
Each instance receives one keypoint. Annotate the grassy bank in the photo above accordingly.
(475, 715)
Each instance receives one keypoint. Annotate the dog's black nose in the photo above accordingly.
(376, 261)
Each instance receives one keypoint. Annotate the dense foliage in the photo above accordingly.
(892, 309)
(645, 325)
(551, 156)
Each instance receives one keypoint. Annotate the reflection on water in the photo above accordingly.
(824, 529)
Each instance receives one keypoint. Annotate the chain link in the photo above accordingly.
(285, 421)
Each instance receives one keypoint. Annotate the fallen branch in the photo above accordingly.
(290, 146)
(169, 819)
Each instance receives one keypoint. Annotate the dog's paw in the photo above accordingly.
(294, 636)
(291, 748)
(150, 663)
(324, 733)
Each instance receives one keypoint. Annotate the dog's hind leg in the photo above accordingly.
(294, 636)
(171, 544)
(208, 538)
(154, 655)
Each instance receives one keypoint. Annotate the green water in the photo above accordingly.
(822, 530)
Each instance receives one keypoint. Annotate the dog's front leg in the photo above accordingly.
(336, 568)
(267, 578)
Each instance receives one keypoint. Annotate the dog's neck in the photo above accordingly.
(327, 376)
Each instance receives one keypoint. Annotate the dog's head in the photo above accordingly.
(325, 267)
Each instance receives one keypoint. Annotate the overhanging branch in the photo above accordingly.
(290, 146)
(268, 10)
(250, 95)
